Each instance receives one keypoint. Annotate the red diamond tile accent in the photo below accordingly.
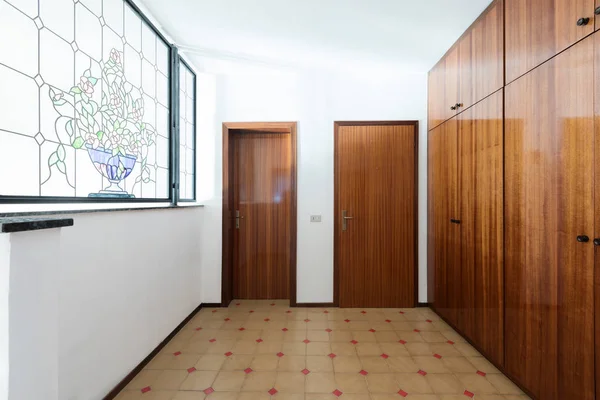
(198, 329)
(228, 354)
(248, 370)
(190, 370)
(307, 320)
(346, 320)
(416, 330)
(272, 304)
(288, 312)
(401, 312)
(305, 371)
(402, 393)
(363, 312)
(450, 342)
(402, 341)
(273, 391)
(430, 321)
(437, 356)
(481, 373)
(469, 394)
(177, 353)
(328, 330)
(385, 356)
(259, 340)
(306, 341)
(337, 393)
(267, 319)
(251, 311)
(325, 312)
(280, 354)
(285, 329)
(388, 320)
(237, 304)
(421, 372)
(331, 355)
(363, 372)
(353, 342)
(242, 329)
(212, 340)
(146, 389)
(227, 319)
(209, 390)
(215, 310)
(371, 330)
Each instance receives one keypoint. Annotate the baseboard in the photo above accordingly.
(121, 385)
(308, 305)
(483, 353)
(212, 305)
(419, 305)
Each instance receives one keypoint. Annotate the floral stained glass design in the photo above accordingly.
(187, 132)
(88, 111)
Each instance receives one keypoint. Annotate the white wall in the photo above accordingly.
(89, 302)
(241, 91)
(4, 326)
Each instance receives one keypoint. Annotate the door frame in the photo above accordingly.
(229, 128)
(336, 211)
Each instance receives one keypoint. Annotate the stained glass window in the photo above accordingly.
(85, 104)
(187, 133)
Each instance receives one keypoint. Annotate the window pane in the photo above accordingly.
(88, 112)
(187, 133)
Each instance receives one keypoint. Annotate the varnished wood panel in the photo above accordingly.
(481, 315)
(262, 194)
(597, 205)
(436, 96)
(549, 201)
(375, 182)
(451, 81)
(536, 30)
(465, 70)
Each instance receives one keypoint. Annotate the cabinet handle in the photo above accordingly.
(459, 105)
(583, 239)
(583, 21)
(597, 242)
(453, 108)
(597, 11)
(455, 221)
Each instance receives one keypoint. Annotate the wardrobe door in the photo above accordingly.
(451, 81)
(465, 71)
(436, 103)
(597, 206)
(549, 210)
(536, 30)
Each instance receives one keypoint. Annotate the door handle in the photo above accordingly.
(455, 221)
(583, 239)
(345, 219)
(237, 219)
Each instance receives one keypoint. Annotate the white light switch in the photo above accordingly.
(315, 218)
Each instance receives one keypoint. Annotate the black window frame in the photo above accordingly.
(174, 65)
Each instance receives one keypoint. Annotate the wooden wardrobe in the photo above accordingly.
(514, 174)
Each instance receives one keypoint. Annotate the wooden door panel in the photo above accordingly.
(466, 70)
(450, 79)
(536, 30)
(436, 96)
(549, 202)
(597, 203)
(262, 194)
(375, 169)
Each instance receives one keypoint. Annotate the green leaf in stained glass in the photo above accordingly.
(61, 167)
(76, 90)
(78, 143)
(93, 81)
(61, 153)
(53, 159)
(100, 135)
(69, 127)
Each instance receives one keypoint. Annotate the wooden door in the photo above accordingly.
(549, 203)
(597, 206)
(262, 165)
(451, 79)
(436, 96)
(536, 30)
(445, 214)
(375, 185)
(481, 315)
(465, 71)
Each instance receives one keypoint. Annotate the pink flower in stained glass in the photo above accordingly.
(115, 56)
(92, 140)
(86, 86)
(115, 101)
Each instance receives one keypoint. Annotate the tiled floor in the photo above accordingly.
(264, 349)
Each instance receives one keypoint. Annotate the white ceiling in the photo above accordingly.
(407, 34)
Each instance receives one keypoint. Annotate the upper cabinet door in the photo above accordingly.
(451, 71)
(436, 96)
(536, 30)
(487, 61)
(465, 71)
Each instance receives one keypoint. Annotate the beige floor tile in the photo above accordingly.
(198, 347)
(318, 348)
(475, 383)
(273, 335)
(254, 396)
(317, 336)
(394, 349)
(290, 382)
(290, 396)
(483, 365)
(433, 337)
(444, 383)
(250, 335)
(339, 326)
(294, 349)
(317, 325)
(129, 395)
(265, 362)
(426, 397)
(319, 364)
(268, 347)
(321, 396)
(467, 350)
(386, 336)
(347, 364)
(385, 396)
(489, 396)
(444, 349)
(237, 362)
(169, 380)
(159, 395)
(222, 396)
(341, 336)
(343, 349)
(259, 381)
(503, 385)
(291, 363)
(431, 365)
(402, 364)
(245, 347)
(374, 364)
(410, 336)
(516, 397)
(220, 346)
(161, 361)
(198, 380)
(359, 325)
(184, 361)
(368, 349)
(403, 326)
(419, 349)
(295, 335)
(364, 337)
(425, 326)
(210, 362)
(453, 397)
(229, 381)
(458, 364)
(320, 382)
(356, 396)
(382, 383)
(351, 383)
(413, 383)
(189, 396)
